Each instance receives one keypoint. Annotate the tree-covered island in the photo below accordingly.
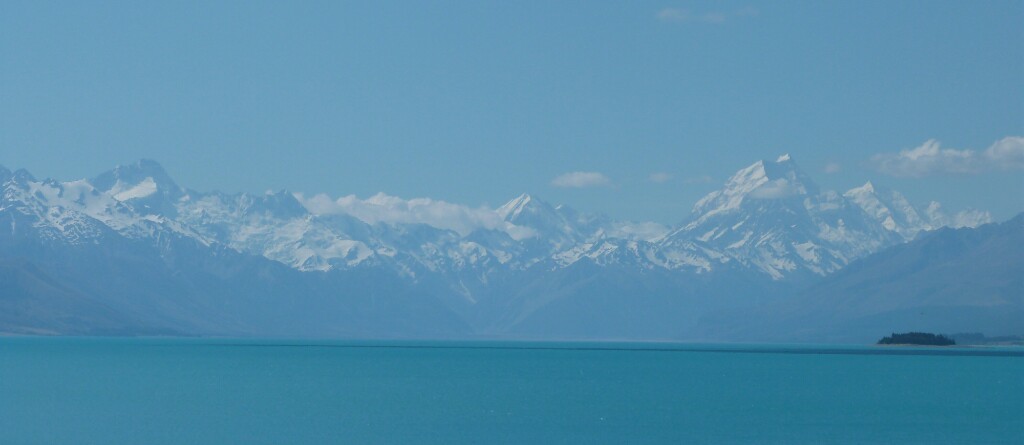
(917, 338)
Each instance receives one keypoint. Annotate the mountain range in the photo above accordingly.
(131, 252)
(946, 280)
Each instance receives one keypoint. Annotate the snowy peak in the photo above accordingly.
(515, 207)
(761, 181)
(889, 208)
(145, 184)
(562, 231)
(766, 179)
(559, 228)
(139, 180)
(534, 213)
(751, 176)
(894, 212)
(771, 216)
(22, 177)
(281, 204)
(966, 218)
(75, 212)
(868, 187)
(784, 173)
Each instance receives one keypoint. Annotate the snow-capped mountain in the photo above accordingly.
(769, 218)
(134, 241)
(772, 217)
(969, 218)
(144, 184)
(946, 280)
(891, 209)
(76, 259)
(77, 212)
(562, 234)
(31, 208)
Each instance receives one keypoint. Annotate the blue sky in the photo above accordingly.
(652, 104)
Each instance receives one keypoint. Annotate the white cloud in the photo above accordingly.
(660, 177)
(747, 11)
(1007, 153)
(713, 17)
(705, 179)
(680, 15)
(673, 15)
(647, 231)
(832, 167)
(970, 218)
(580, 180)
(930, 158)
(777, 189)
(383, 208)
(964, 218)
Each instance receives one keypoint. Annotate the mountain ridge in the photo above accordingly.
(942, 281)
(768, 231)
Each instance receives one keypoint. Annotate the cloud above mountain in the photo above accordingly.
(716, 17)
(581, 180)
(660, 177)
(963, 218)
(930, 158)
(776, 189)
(384, 208)
(702, 179)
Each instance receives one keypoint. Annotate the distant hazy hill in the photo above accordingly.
(946, 281)
(31, 302)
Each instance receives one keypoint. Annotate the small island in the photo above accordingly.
(917, 338)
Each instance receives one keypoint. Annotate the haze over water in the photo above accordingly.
(163, 391)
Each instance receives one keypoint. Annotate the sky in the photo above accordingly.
(632, 109)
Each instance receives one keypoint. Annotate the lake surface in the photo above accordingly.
(212, 391)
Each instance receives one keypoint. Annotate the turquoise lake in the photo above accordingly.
(215, 391)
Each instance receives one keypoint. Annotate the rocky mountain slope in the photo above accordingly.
(945, 281)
